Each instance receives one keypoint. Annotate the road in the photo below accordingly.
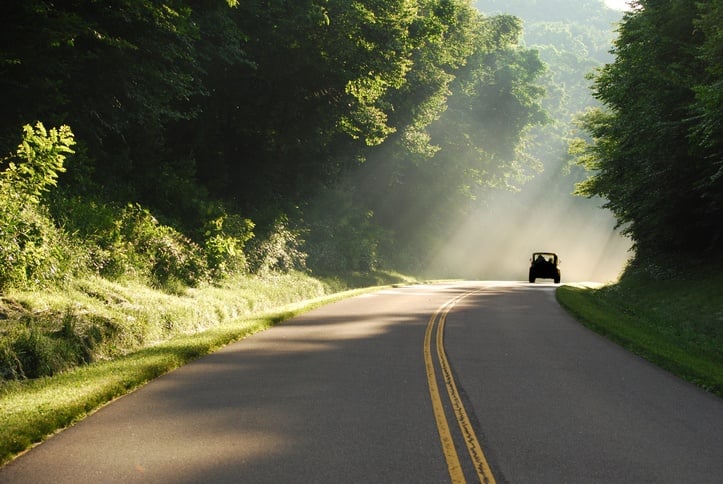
(474, 381)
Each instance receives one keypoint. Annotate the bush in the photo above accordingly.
(34, 168)
(156, 251)
(33, 250)
(342, 237)
(129, 241)
(226, 236)
(280, 251)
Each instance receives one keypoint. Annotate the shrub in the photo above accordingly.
(156, 251)
(95, 223)
(32, 249)
(129, 241)
(280, 251)
(226, 236)
(34, 168)
(176, 258)
(342, 237)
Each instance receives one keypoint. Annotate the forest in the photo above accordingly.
(655, 147)
(181, 142)
(202, 139)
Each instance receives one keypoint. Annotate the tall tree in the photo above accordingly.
(647, 154)
(475, 94)
(266, 104)
(118, 72)
(708, 109)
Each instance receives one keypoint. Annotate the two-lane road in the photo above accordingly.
(346, 393)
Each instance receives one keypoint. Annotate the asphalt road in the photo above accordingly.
(345, 394)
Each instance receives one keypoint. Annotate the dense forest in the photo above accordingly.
(186, 141)
(657, 143)
(183, 141)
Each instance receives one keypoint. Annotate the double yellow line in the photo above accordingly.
(479, 461)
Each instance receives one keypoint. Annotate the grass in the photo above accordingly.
(672, 320)
(153, 334)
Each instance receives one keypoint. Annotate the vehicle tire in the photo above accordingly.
(532, 277)
(557, 280)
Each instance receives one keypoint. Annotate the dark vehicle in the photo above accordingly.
(543, 265)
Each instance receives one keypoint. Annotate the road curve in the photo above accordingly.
(344, 394)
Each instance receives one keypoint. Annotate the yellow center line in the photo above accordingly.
(465, 425)
(445, 435)
(484, 473)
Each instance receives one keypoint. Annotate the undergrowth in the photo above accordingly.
(43, 333)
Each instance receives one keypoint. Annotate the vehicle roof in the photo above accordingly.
(546, 253)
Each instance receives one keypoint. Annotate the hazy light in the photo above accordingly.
(498, 241)
(621, 5)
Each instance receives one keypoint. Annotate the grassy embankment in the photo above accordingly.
(674, 320)
(129, 334)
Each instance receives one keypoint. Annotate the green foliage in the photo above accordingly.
(280, 251)
(708, 129)
(572, 38)
(225, 239)
(129, 241)
(156, 251)
(342, 237)
(652, 152)
(495, 101)
(32, 250)
(472, 94)
(117, 75)
(261, 106)
(38, 160)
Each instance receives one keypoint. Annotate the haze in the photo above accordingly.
(497, 241)
(621, 5)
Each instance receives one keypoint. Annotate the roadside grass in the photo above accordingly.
(674, 321)
(160, 332)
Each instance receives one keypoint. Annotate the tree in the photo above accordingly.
(205, 108)
(118, 72)
(708, 111)
(470, 99)
(647, 153)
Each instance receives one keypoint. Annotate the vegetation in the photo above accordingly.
(205, 161)
(109, 320)
(670, 315)
(91, 319)
(655, 148)
(250, 113)
(89, 315)
(573, 37)
(649, 157)
(203, 143)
